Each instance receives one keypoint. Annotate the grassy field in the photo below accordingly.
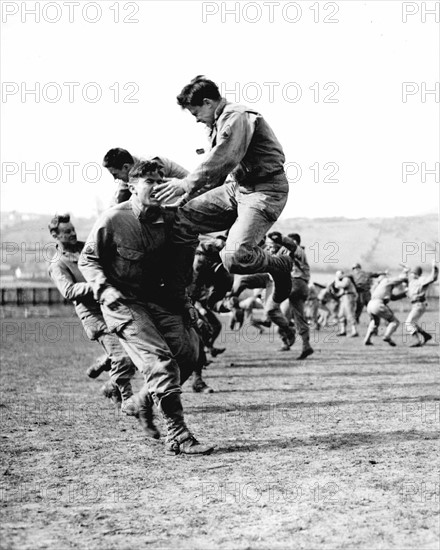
(336, 452)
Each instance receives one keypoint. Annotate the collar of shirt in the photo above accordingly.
(153, 214)
(220, 109)
(212, 131)
(71, 255)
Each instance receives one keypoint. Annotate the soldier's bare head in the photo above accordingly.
(201, 97)
(62, 230)
(295, 237)
(143, 178)
(119, 163)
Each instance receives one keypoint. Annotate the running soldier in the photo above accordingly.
(416, 292)
(124, 260)
(312, 306)
(363, 279)
(347, 303)
(70, 282)
(272, 310)
(294, 306)
(378, 308)
(243, 146)
(210, 285)
(328, 305)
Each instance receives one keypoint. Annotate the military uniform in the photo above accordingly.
(378, 308)
(127, 251)
(72, 285)
(362, 280)
(416, 292)
(347, 304)
(248, 203)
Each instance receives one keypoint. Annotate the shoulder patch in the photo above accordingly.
(89, 248)
(226, 132)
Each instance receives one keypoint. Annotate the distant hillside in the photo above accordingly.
(331, 243)
(376, 243)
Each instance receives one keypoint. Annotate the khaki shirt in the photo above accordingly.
(127, 250)
(242, 143)
(417, 288)
(385, 287)
(345, 286)
(72, 285)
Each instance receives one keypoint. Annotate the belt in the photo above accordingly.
(418, 300)
(261, 179)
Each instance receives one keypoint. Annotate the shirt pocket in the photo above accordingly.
(128, 263)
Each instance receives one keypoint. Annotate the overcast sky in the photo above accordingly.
(328, 76)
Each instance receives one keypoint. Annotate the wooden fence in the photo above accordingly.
(22, 296)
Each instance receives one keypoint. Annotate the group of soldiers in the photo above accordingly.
(145, 288)
(350, 293)
(308, 303)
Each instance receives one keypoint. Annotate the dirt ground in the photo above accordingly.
(338, 451)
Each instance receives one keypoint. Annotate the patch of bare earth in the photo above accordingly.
(338, 451)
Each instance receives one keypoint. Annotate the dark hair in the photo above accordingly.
(196, 91)
(116, 158)
(56, 220)
(144, 167)
(295, 236)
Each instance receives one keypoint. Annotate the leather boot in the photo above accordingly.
(140, 406)
(307, 349)
(179, 439)
(425, 335)
(111, 391)
(199, 385)
(288, 336)
(103, 363)
(342, 331)
(416, 341)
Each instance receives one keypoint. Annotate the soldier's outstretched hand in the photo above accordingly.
(165, 192)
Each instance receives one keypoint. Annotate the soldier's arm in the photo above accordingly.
(66, 284)
(232, 142)
(289, 243)
(432, 277)
(171, 169)
(92, 258)
(123, 193)
(398, 296)
(282, 240)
